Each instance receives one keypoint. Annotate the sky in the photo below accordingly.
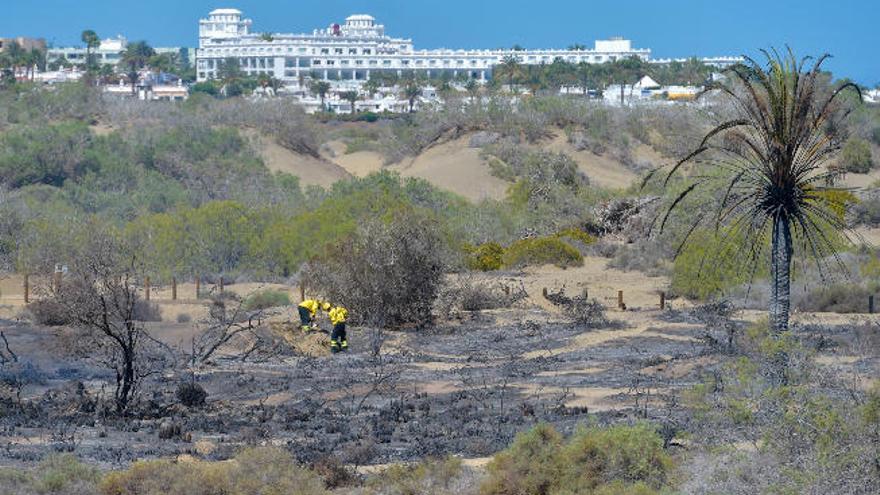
(847, 29)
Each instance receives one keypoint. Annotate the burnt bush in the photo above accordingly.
(49, 312)
(146, 311)
(388, 273)
(587, 312)
(469, 294)
(191, 394)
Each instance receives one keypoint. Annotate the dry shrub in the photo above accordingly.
(259, 470)
(838, 298)
(431, 477)
(57, 474)
(266, 299)
(387, 273)
(466, 293)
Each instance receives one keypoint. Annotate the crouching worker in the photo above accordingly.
(308, 310)
(338, 340)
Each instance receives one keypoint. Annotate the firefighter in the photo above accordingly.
(308, 310)
(338, 339)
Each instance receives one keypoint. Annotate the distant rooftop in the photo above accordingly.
(225, 12)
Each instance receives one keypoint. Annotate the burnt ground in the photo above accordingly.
(464, 387)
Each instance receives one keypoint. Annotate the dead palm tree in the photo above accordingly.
(774, 154)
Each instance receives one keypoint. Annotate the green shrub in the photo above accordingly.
(596, 456)
(485, 257)
(875, 136)
(58, 474)
(542, 251)
(577, 235)
(262, 470)
(709, 264)
(527, 467)
(268, 298)
(614, 460)
(856, 156)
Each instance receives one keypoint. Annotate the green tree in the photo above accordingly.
(352, 97)
(510, 69)
(856, 156)
(135, 57)
(774, 154)
(92, 41)
(412, 89)
(320, 88)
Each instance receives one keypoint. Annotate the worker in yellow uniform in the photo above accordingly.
(338, 340)
(308, 310)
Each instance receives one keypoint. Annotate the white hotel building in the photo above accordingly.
(354, 51)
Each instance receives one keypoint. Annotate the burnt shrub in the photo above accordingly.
(388, 273)
(146, 311)
(542, 251)
(265, 299)
(587, 312)
(191, 394)
(49, 312)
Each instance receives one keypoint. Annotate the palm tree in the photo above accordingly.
(17, 56)
(371, 86)
(351, 97)
(92, 41)
(134, 58)
(774, 153)
(473, 89)
(412, 89)
(510, 68)
(321, 88)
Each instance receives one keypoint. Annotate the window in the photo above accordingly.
(374, 62)
(325, 51)
(337, 51)
(367, 51)
(317, 62)
(352, 51)
(386, 62)
(343, 62)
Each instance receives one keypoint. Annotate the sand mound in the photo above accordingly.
(456, 167)
(360, 164)
(310, 170)
(603, 171)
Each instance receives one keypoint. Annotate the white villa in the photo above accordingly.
(350, 53)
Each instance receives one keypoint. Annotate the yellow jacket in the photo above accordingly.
(311, 305)
(338, 315)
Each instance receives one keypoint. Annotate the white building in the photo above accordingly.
(354, 51)
(109, 52)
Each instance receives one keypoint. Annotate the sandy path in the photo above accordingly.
(310, 170)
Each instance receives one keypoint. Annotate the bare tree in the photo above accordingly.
(100, 298)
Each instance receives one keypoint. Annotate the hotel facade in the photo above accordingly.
(358, 49)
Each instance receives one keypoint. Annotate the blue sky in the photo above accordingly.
(847, 29)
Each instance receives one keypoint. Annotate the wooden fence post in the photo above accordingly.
(27, 289)
(302, 293)
(221, 284)
(198, 286)
(620, 304)
(586, 294)
(147, 288)
(56, 278)
(871, 304)
(173, 288)
(544, 292)
(662, 300)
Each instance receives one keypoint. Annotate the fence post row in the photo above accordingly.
(198, 286)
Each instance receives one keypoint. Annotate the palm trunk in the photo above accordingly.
(780, 274)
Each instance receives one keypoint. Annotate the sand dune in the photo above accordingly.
(602, 170)
(456, 167)
(310, 170)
